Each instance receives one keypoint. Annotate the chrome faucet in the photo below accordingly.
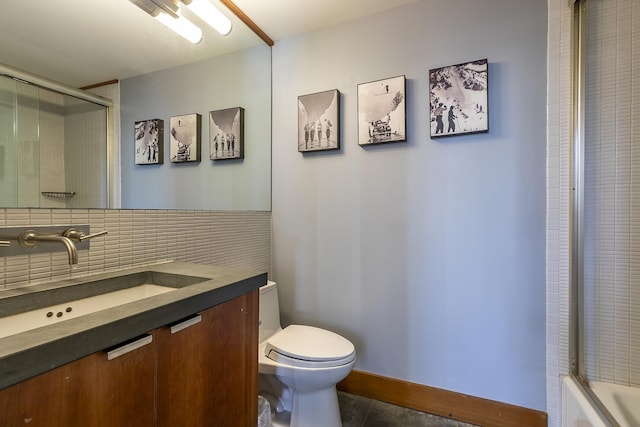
(46, 238)
(30, 239)
(72, 233)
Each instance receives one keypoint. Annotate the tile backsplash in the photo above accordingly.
(138, 237)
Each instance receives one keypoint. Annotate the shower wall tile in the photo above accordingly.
(558, 198)
(611, 194)
(140, 237)
(613, 337)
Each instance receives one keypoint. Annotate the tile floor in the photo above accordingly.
(358, 411)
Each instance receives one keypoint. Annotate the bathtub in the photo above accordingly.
(623, 402)
(578, 410)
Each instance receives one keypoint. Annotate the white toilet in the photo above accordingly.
(299, 368)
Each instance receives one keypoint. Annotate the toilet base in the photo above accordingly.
(293, 409)
(281, 419)
(318, 408)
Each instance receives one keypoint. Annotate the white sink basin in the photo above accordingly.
(45, 316)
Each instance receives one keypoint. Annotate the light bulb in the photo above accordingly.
(182, 26)
(209, 14)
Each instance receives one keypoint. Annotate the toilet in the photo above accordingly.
(299, 368)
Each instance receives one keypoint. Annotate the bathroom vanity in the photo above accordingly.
(187, 356)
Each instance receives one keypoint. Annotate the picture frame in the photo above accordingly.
(319, 121)
(226, 134)
(149, 142)
(382, 111)
(185, 134)
(461, 93)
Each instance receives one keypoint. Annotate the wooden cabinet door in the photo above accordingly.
(207, 373)
(92, 391)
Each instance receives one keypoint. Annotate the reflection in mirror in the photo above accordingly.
(53, 146)
(239, 79)
(155, 75)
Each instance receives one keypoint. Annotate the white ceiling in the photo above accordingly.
(83, 42)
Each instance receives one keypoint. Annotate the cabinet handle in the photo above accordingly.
(186, 323)
(129, 347)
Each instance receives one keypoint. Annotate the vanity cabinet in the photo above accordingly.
(207, 373)
(199, 373)
(92, 391)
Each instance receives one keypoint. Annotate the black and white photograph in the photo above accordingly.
(226, 134)
(319, 121)
(149, 139)
(382, 111)
(185, 133)
(458, 98)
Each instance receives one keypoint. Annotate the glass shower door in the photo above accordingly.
(53, 148)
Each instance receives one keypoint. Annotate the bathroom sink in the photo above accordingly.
(45, 307)
(57, 313)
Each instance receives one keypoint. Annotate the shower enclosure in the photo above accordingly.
(53, 144)
(606, 210)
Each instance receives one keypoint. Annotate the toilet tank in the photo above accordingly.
(269, 311)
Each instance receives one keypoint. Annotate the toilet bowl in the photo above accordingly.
(299, 367)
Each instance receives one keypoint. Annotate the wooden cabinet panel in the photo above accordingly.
(207, 373)
(203, 375)
(92, 391)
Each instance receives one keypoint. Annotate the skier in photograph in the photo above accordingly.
(312, 132)
(452, 123)
(319, 133)
(328, 126)
(154, 154)
(215, 143)
(306, 135)
(438, 113)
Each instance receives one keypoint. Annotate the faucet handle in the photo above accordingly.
(4, 243)
(80, 236)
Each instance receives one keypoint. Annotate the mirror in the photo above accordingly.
(53, 147)
(240, 79)
(219, 73)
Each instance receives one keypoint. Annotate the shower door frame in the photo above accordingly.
(577, 293)
(44, 83)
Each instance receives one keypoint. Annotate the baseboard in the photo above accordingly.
(457, 406)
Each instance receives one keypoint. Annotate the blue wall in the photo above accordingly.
(429, 255)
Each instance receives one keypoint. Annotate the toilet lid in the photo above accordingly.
(308, 346)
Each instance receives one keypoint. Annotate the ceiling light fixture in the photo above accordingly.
(168, 13)
(209, 14)
(182, 26)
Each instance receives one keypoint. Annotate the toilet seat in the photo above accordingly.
(309, 347)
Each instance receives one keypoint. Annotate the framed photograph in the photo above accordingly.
(319, 121)
(185, 133)
(458, 96)
(149, 139)
(226, 134)
(382, 111)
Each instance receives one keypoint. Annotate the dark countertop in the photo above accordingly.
(33, 352)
